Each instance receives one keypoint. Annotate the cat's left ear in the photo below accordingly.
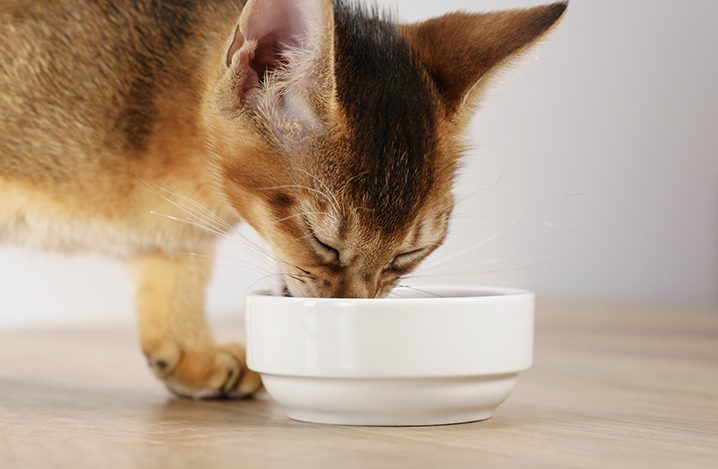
(459, 50)
(280, 60)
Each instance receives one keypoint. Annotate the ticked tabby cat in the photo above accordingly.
(330, 129)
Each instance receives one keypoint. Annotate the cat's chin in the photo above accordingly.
(282, 289)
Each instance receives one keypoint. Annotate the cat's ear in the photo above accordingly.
(281, 59)
(460, 49)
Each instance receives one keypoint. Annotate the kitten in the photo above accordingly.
(332, 131)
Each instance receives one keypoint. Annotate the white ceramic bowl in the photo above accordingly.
(437, 356)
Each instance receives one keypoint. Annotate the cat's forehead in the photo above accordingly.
(390, 114)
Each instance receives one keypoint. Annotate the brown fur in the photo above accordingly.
(111, 115)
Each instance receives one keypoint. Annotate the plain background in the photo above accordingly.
(593, 174)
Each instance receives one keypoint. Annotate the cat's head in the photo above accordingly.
(338, 133)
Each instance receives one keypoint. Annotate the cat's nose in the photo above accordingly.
(354, 289)
(353, 293)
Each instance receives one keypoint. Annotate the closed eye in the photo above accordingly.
(325, 248)
(405, 259)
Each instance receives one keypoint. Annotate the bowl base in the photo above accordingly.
(390, 401)
(382, 420)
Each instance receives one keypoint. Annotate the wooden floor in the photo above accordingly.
(611, 387)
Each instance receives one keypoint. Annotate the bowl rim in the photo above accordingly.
(494, 294)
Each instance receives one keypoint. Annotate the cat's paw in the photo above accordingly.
(212, 373)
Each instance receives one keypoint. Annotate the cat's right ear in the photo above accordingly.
(280, 60)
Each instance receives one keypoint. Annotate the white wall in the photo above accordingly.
(603, 142)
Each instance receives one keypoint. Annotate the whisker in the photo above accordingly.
(266, 277)
(469, 217)
(475, 193)
(243, 241)
(349, 181)
(559, 227)
(476, 272)
(202, 223)
(297, 215)
(208, 221)
(477, 245)
(536, 261)
(218, 226)
(423, 269)
(298, 279)
(221, 234)
(303, 270)
(213, 216)
(259, 280)
(420, 290)
(188, 222)
(189, 211)
(337, 205)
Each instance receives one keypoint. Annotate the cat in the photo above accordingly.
(332, 130)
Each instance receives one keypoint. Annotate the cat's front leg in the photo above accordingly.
(175, 335)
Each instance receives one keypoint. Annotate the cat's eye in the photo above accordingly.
(325, 248)
(403, 260)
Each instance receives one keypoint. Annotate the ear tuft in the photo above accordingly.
(281, 63)
(268, 29)
(459, 49)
